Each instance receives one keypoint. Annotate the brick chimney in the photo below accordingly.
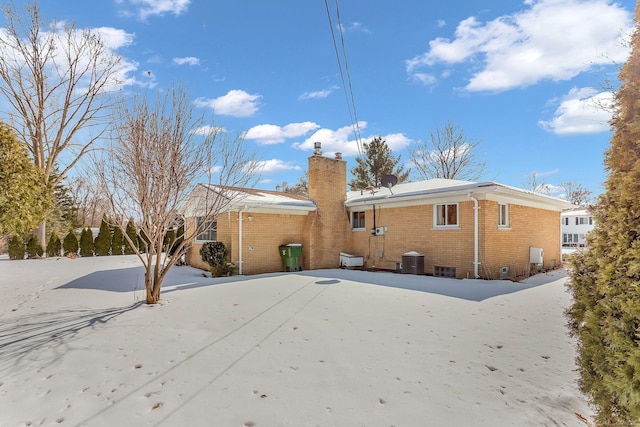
(329, 229)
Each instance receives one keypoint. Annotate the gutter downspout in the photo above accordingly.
(240, 239)
(475, 235)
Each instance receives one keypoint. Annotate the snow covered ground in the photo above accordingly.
(315, 348)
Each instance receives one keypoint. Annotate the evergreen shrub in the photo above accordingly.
(118, 242)
(16, 247)
(70, 244)
(133, 236)
(34, 247)
(216, 255)
(54, 246)
(102, 243)
(86, 242)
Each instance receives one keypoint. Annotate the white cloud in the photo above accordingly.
(188, 60)
(209, 130)
(275, 166)
(145, 8)
(424, 78)
(122, 74)
(114, 38)
(581, 111)
(319, 94)
(355, 27)
(272, 134)
(550, 40)
(342, 141)
(333, 141)
(236, 103)
(396, 141)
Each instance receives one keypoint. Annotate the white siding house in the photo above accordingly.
(576, 224)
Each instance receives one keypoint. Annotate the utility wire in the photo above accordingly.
(351, 106)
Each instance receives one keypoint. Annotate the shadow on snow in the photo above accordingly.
(49, 333)
(182, 278)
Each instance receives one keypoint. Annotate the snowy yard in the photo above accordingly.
(315, 348)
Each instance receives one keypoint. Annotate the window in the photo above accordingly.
(583, 220)
(569, 239)
(440, 271)
(446, 215)
(357, 220)
(209, 229)
(565, 221)
(503, 215)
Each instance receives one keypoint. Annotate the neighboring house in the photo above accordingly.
(451, 228)
(576, 224)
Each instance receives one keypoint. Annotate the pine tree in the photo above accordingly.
(377, 162)
(70, 244)
(133, 236)
(169, 239)
(24, 198)
(86, 242)
(16, 247)
(117, 245)
(54, 246)
(605, 279)
(102, 243)
(34, 247)
(179, 238)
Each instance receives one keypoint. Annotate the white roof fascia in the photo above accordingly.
(459, 193)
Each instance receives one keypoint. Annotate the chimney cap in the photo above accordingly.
(317, 147)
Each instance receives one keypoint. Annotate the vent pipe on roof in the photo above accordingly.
(317, 148)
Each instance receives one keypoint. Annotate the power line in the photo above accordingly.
(351, 105)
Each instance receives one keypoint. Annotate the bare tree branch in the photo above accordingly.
(56, 84)
(447, 154)
(160, 163)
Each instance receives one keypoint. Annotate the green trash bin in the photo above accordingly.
(291, 255)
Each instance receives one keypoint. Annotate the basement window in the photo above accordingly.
(440, 271)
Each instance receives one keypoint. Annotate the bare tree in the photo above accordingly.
(576, 193)
(56, 85)
(157, 156)
(447, 154)
(88, 200)
(536, 185)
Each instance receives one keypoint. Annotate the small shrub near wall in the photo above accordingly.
(217, 256)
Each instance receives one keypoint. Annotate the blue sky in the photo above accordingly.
(524, 78)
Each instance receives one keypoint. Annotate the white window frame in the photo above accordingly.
(503, 215)
(436, 217)
(204, 235)
(353, 220)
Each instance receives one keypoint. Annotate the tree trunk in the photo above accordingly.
(42, 235)
(152, 285)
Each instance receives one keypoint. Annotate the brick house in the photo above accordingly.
(457, 228)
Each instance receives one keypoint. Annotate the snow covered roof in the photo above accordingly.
(425, 191)
(576, 212)
(263, 200)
